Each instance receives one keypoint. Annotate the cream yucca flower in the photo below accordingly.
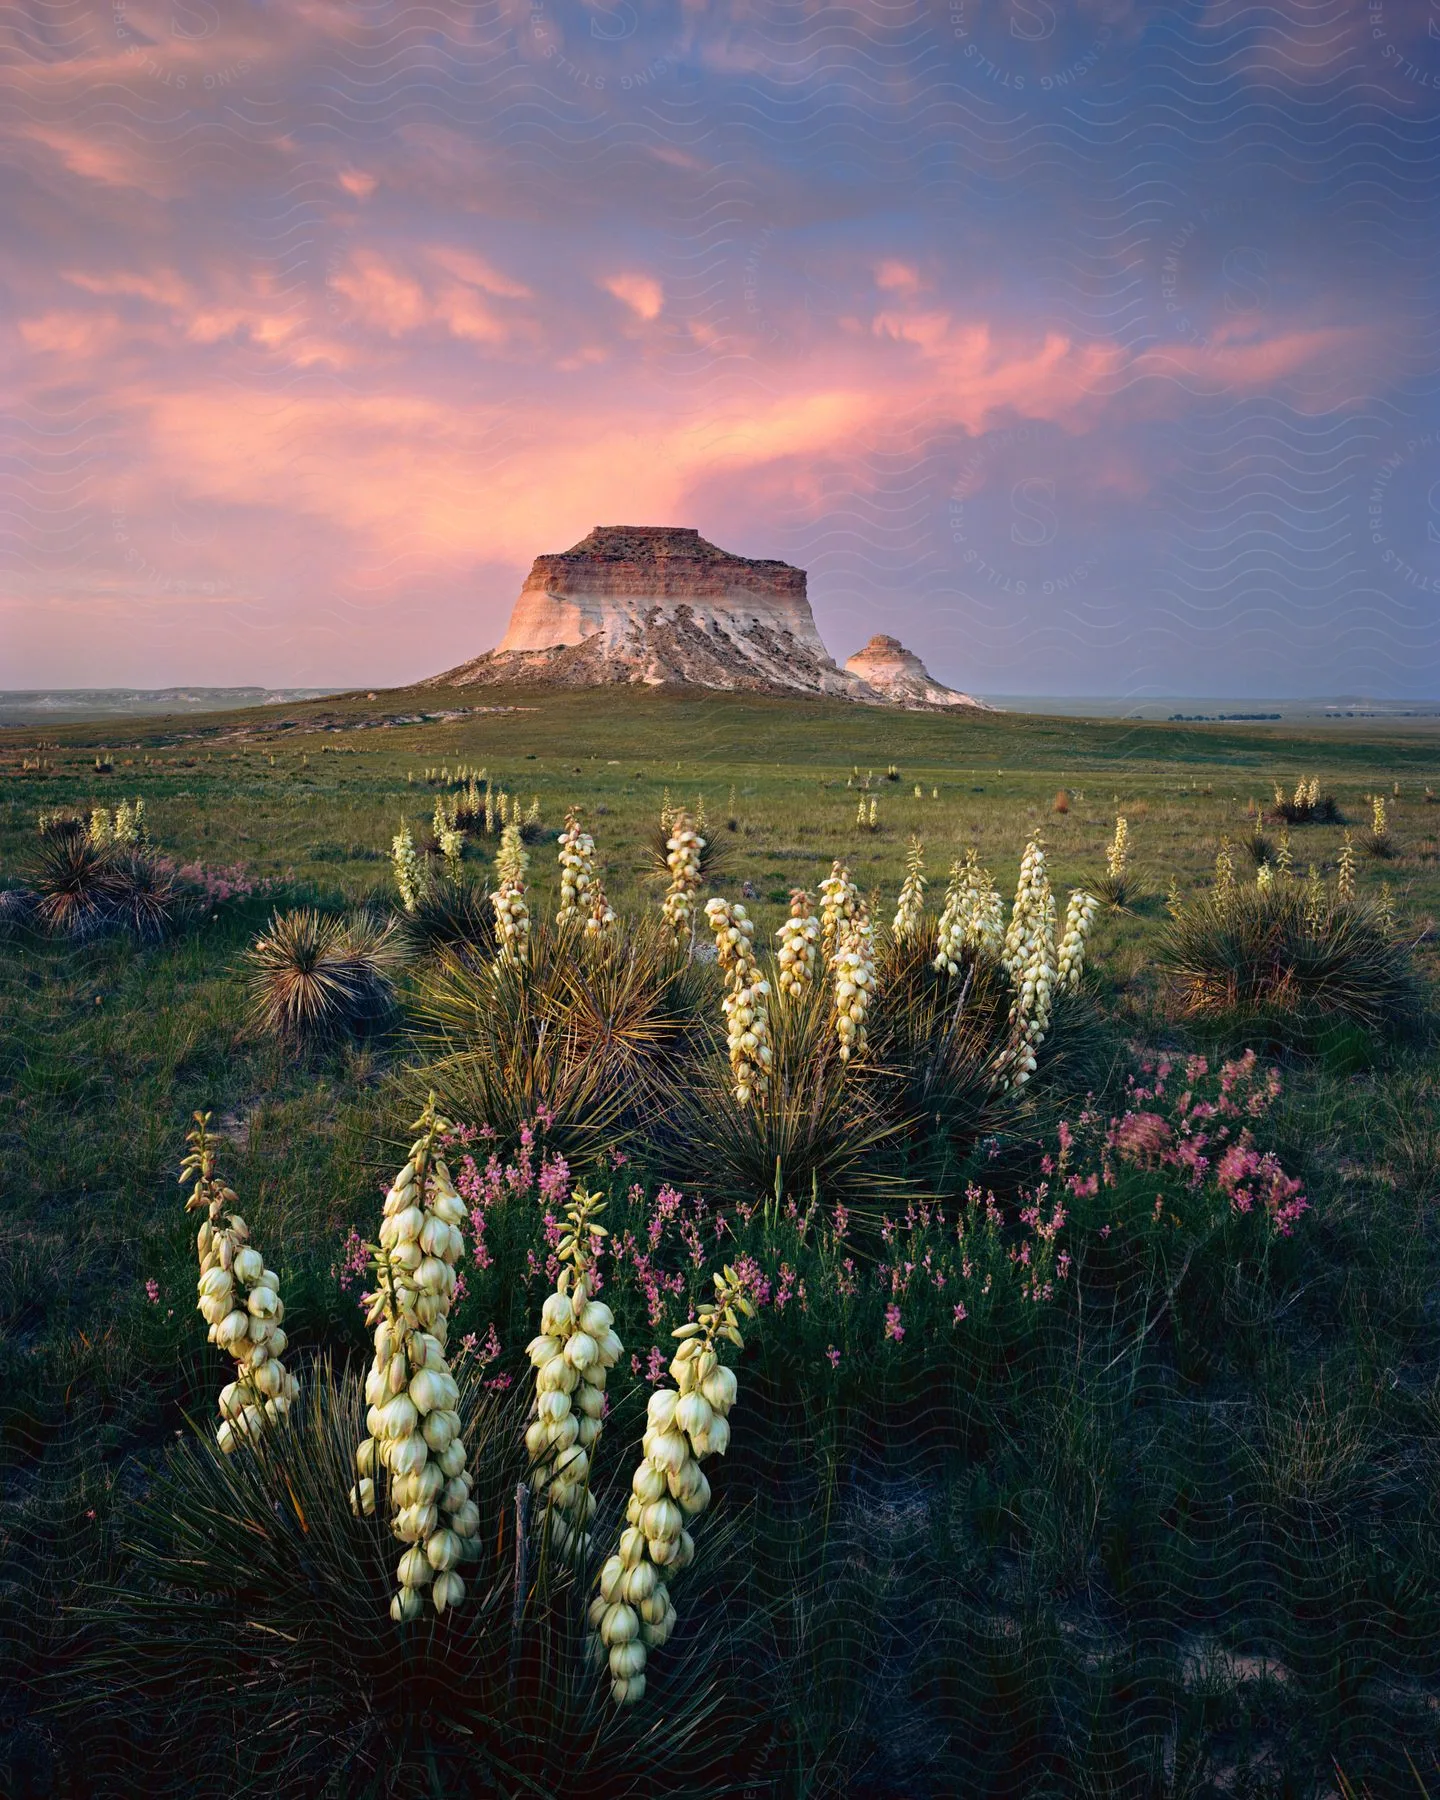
(910, 908)
(1225, 871)
(129, 826)
(1030, 960)
(838, 902)
(239, 1301)
(1264, 879)
(973, 917)
(1284, 856)
(512, 912)
(416, 1437)
(1345, 878)
(682, 858)
(1117, 851)
(101, 829)
(633, 1613)
(796, 956)
(409, 876)
(1379, 824)
(746, 1003)
(1070, 958)
(576, 1349)
(577, 870)
(853, 970)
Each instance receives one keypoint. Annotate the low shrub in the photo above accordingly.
(1289, 961)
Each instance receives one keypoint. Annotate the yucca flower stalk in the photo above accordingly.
(129, 825)
(409, 876)
(853, 970)
(973, 917)
(1117, 851)
(1264, 878)
(602, 913)
(910, 908)
(101, 830)
(576, 1349)
(796, 956)
(1225, 871)
(1070, 958)
(633, 1612)
(682, 857)
(1345, 877)
(1314, 899)
(1379, 823)
(577, 870)
(415, 1432)
(838, 900)
(239, 1301)
(512, 911)
(1029, 958)
(746, 1004)
(1174, 900)
(452, 848)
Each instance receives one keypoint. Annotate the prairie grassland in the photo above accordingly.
(1175, 1533)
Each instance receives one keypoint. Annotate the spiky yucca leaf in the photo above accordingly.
(314, 977)
(248, 1649)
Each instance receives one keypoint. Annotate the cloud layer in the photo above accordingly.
(1087, 348)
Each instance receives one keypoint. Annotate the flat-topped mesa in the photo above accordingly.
(899, 676)
(654, 604)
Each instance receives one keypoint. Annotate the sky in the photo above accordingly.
(1087, 348)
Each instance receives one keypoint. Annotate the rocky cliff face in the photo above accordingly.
(899, 676)
(652, 604)
(657, 603)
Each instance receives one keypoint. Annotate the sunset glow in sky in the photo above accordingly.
(1087, 348)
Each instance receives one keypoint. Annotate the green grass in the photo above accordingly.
(1177, 1535)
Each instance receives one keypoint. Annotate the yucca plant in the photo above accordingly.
(315, 977)
(245, 1646)
(75, 882)
(594, 1032)
(451, 915)
(716, 856)
(1271, 955)
(144, 896)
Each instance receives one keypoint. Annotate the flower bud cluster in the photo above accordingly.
(839, 900)
(682, 858)
(867, 814)
(1070, 958)
(413, 1398)
(1117, 851)
(746, 1004)
(409, 876)
(853, 968)
(577, 870)
(512, 913)
(633, 1612)
(1029, 958)
(910, 909)
(798, 937)
(576, 1349)
(239, 1301)
(1307, 794)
